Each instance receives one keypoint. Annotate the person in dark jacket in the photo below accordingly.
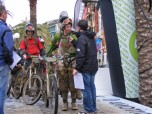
(87, 65)
(6, 55)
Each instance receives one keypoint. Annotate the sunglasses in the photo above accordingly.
(30, 31)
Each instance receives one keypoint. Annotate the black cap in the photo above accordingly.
(63, 18)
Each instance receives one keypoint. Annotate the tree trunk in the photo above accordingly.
(33, 16)
(144, 45)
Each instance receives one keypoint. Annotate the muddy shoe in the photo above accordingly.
(74, 106)
(65, 107)
(79, 94)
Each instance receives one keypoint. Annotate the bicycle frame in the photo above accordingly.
(67, 58)
(47, 79)
(32, 72)
(49, 72)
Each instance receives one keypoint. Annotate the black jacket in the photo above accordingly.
(86, 58)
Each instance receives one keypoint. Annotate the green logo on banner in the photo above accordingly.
(133, 46)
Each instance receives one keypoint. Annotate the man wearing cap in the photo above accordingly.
(6, 55)
(62, 43)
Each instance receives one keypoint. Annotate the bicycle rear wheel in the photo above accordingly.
(9, 90)
(53, 100)
(33, 94)
(17, 85)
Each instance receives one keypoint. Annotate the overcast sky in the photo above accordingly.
(46, 10)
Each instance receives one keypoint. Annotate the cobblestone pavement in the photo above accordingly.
(104, 106)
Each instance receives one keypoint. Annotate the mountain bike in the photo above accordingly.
(17, 82)
(50, 84)
(50, 89)
(32, 89)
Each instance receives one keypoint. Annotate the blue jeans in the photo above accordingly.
(89, 92)
(4, 76)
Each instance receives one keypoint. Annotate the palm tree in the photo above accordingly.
(33, 14)
(42, 30)
(144, 44)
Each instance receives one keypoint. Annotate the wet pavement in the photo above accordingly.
(13, 106)
(105, 105)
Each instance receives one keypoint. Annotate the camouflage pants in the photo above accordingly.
(66, 83)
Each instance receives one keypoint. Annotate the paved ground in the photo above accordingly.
(105, 105)
(13, 106)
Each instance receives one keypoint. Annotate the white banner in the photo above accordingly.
(125, 23)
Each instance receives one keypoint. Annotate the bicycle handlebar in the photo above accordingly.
(55, 58)
(24, 52)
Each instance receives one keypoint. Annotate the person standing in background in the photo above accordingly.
(31, 45)
(87, 65)
(6, 55)
(62, 44)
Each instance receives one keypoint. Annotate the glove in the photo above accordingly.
(42, 52)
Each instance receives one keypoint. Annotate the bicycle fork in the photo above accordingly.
(30, 77)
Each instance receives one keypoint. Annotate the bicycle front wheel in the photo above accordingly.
(53, 100)
(32, 95)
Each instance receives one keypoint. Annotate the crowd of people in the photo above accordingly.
(79, 45)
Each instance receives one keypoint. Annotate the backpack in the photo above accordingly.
(26, 43)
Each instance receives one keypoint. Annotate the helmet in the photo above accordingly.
(66, 22)
(62, 19)
(16, 35)
(41, 40)
(29, 27)
(63, 15)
